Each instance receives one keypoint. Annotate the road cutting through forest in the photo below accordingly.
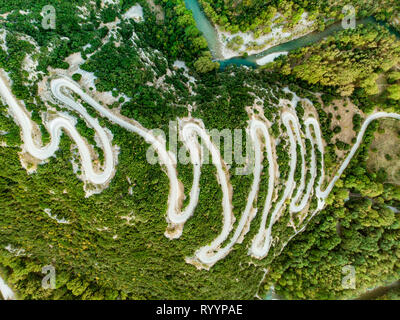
(297, 194)
(6, 291)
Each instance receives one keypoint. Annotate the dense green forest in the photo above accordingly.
(356, 229)
(352, 59)
(114, 246)
(258, 16)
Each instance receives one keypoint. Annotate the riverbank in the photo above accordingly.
(304, 34)
(219, 40)
(271, 57)
(380, 291)
(254, 45)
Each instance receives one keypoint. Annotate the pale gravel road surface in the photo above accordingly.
(190, 131)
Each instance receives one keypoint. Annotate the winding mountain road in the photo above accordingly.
(190, 132)
(6, 291)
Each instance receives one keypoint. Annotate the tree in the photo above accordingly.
(394, 92)
(205, 64)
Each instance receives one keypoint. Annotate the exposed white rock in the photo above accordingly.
(271, 57)
(6, 291)
(135, 13)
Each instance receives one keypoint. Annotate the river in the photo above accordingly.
(210, 33)
(379, 291)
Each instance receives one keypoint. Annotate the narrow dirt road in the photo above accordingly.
(190, 132)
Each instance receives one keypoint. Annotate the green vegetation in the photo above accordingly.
(114, 246)
(181, 38)
(350, 59)
(257, 16)
(360, 231)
